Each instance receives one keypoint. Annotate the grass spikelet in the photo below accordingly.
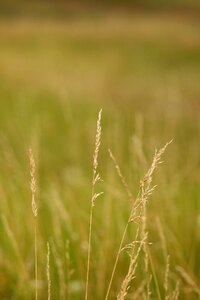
(33, 182)
(156, 161)
(96, 176)
(34, 210)
(146, 189)
(94, 196)
(48, 272)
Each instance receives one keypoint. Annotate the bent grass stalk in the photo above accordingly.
(132, 268)
(34, 211)
(122, 178)
(94, 196)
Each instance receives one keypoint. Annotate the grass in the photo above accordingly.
(143, 70)
(34, 211)
(95, 178)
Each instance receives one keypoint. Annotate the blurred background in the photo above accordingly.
(60, 63)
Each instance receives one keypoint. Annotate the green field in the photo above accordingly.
(143, 70)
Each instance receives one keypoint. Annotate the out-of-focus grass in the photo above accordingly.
(144, 71)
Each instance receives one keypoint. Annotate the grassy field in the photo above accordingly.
(143, 70)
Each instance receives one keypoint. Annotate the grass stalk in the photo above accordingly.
(48, 272)
(94, 196)
(34, 211)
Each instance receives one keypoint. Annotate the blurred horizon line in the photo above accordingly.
(52, 9)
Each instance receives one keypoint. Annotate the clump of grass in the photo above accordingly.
(138, 215)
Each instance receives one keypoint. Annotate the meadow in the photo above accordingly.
(143, 71)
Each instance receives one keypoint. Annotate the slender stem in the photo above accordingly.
(116, 260)
(36, 259)
(48, 272)
(94, 195)
(89, 245)
(154, 275)
(34, 211)
(120, 248)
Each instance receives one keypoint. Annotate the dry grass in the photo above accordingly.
(34, 210)
(132, 268)
(95, 179)
(137, 215)
(138, 248)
